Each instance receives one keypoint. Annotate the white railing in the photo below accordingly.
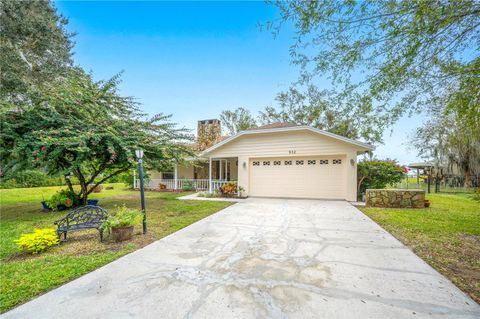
(198, 184)
(154, 183)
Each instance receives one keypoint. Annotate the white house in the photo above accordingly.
(275, 160)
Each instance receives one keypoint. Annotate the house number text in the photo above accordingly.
(292, 152)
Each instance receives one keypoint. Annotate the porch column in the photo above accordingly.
(134, 179)
(228, 170)
(220, 172)
(175, 178)
(210, 175)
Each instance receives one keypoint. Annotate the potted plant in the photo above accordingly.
(121, 223)
(92, 202)
(61, 200)
(45, 207)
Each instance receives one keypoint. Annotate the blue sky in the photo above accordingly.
(194, 59)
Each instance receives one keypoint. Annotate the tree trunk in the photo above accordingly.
(82, 196)
(83, 199)
(360, 184)
(69, 183)
(468, 178)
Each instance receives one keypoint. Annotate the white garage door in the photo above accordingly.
(299, 177)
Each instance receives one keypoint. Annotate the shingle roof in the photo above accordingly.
(274, 125)
(196, 147)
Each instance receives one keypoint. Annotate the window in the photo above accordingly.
(299, 162)
(323, 162)
(277, 163)
(256, 163)
(168, 175)
(311, 162)
(266, 163)
(288, 162)
(337, 161)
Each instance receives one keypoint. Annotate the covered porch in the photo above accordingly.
(196, 174)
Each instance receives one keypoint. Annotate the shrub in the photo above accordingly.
(188, 185)
(241, 190)
(228, 189)
(476, 194)
(63, 197)
(38, 241)
(378, 174)
(30, 178)
(207, 194)
(11, 183)
(123, 217)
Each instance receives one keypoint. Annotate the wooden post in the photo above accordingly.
(429, 181)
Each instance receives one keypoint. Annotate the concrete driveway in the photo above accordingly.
(264, 258)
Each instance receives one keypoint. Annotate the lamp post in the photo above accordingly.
(139, 154)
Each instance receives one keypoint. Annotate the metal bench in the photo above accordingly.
(86, 217)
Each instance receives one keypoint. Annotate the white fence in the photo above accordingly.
(198, 184)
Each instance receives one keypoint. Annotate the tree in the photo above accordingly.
(237, 120)
(86, 129)
(34, 46)
(353, 117)
(463, 99)
(449, 139)
(378, 174)
(400, 53)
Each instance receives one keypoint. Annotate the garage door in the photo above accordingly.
(299, 177)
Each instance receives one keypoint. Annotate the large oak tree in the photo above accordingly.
(35, 48)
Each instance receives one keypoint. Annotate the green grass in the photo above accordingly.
(24, 276)
(412, 184)
(446, 235)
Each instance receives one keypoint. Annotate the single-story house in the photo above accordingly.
(275, 160)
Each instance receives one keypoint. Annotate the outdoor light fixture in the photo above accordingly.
(352, 161)
(244, 164)
(139, 154)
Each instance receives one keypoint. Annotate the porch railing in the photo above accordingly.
(154, 183)
(198, 184)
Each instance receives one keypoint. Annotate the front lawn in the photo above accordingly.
(23, 276)
(446, 235)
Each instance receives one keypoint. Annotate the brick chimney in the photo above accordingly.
(209, 132)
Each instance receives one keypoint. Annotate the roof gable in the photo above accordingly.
(358, 144)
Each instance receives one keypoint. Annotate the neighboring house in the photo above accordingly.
(275, 160)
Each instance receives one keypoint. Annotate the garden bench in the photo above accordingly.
(82, 218)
